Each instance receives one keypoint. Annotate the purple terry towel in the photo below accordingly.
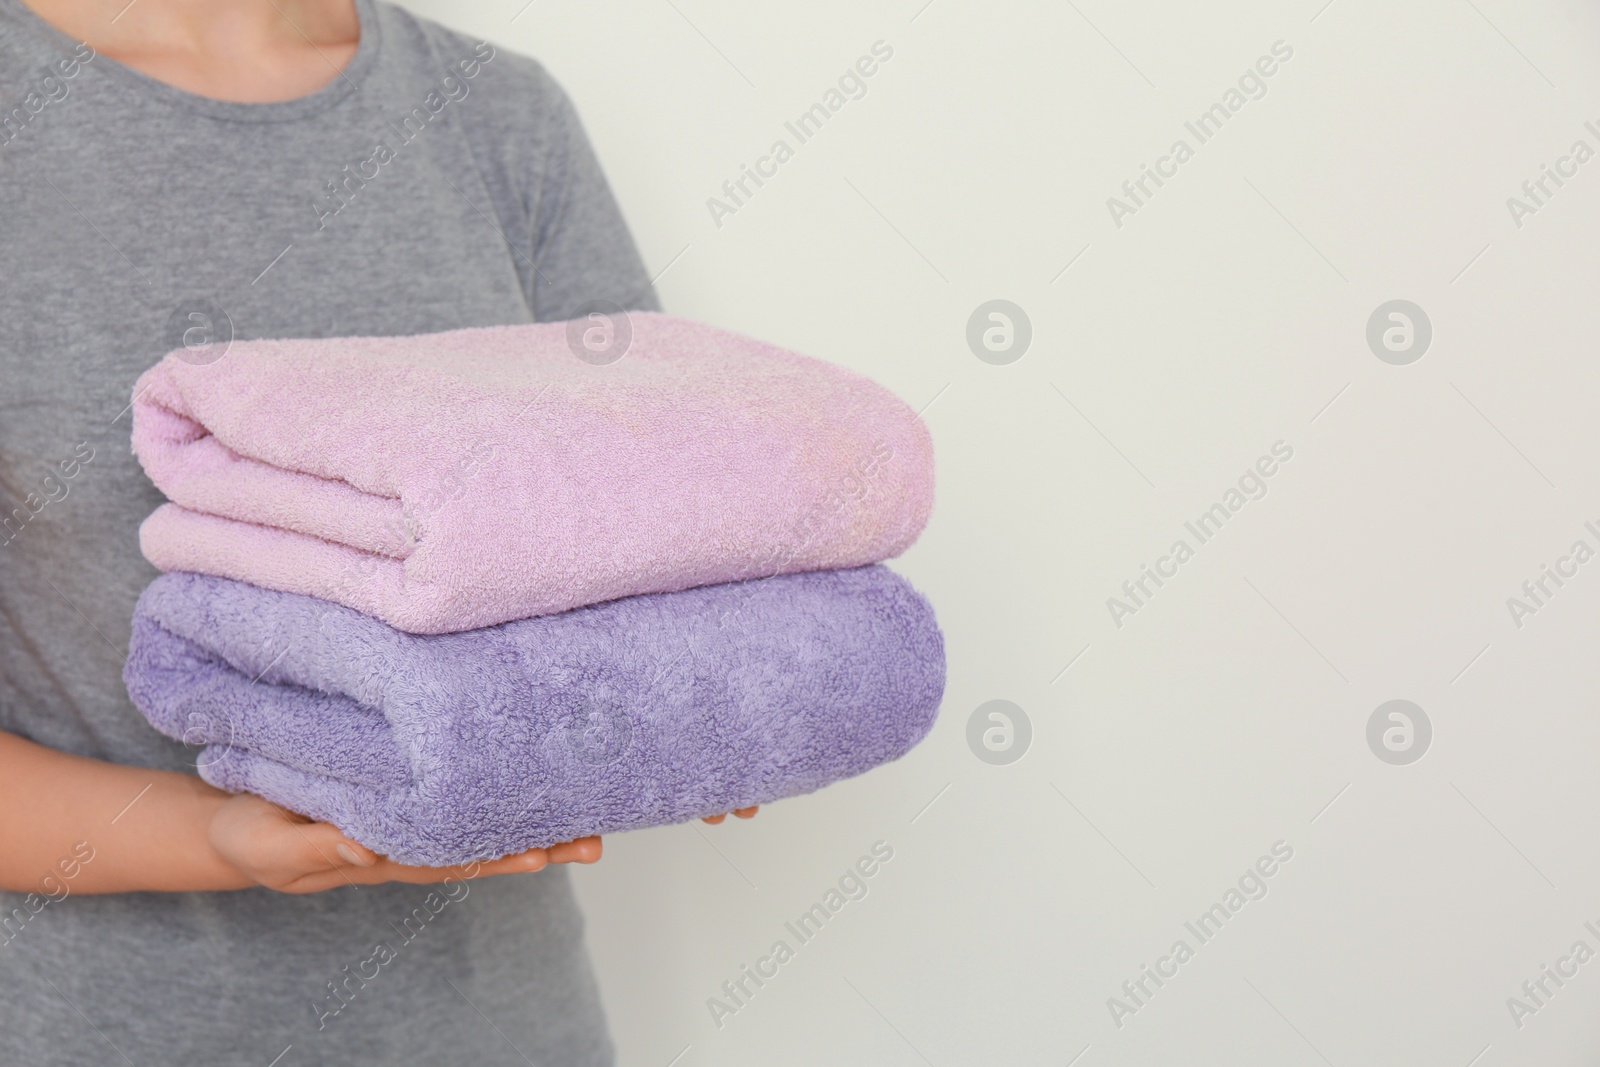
(637, 712)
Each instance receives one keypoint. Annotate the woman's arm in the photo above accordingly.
(96, 827)
(144, 829)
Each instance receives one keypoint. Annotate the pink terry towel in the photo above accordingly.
(456, 480)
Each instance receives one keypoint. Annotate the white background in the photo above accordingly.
(1230, 713)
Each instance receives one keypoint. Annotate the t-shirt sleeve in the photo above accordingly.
(551, 201)
(582, 251)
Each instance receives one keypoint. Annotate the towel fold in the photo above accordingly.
(456, 480)
(639, 712)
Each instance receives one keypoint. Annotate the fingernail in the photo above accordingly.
(350, 855)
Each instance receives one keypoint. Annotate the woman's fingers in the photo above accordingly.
(288, 852)
(353, 853)
(743, 813)
(389, 871)
(583, 850)
(535, 859)
(323, 845)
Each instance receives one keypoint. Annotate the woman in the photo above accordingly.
(177, 172)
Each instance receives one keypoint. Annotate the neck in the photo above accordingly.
(246, 50)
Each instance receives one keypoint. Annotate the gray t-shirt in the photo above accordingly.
(435, 183)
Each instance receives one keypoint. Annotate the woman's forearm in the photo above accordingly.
(74, 825)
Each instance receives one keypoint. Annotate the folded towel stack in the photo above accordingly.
(463, 594)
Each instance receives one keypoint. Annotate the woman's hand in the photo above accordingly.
(743, 813)
(292, 854)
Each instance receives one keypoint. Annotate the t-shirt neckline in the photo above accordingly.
(347, 81)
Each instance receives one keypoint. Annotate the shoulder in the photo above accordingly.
(515, 90)
(32, 63)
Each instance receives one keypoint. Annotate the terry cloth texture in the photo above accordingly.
(462, 479)
(638, 712)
